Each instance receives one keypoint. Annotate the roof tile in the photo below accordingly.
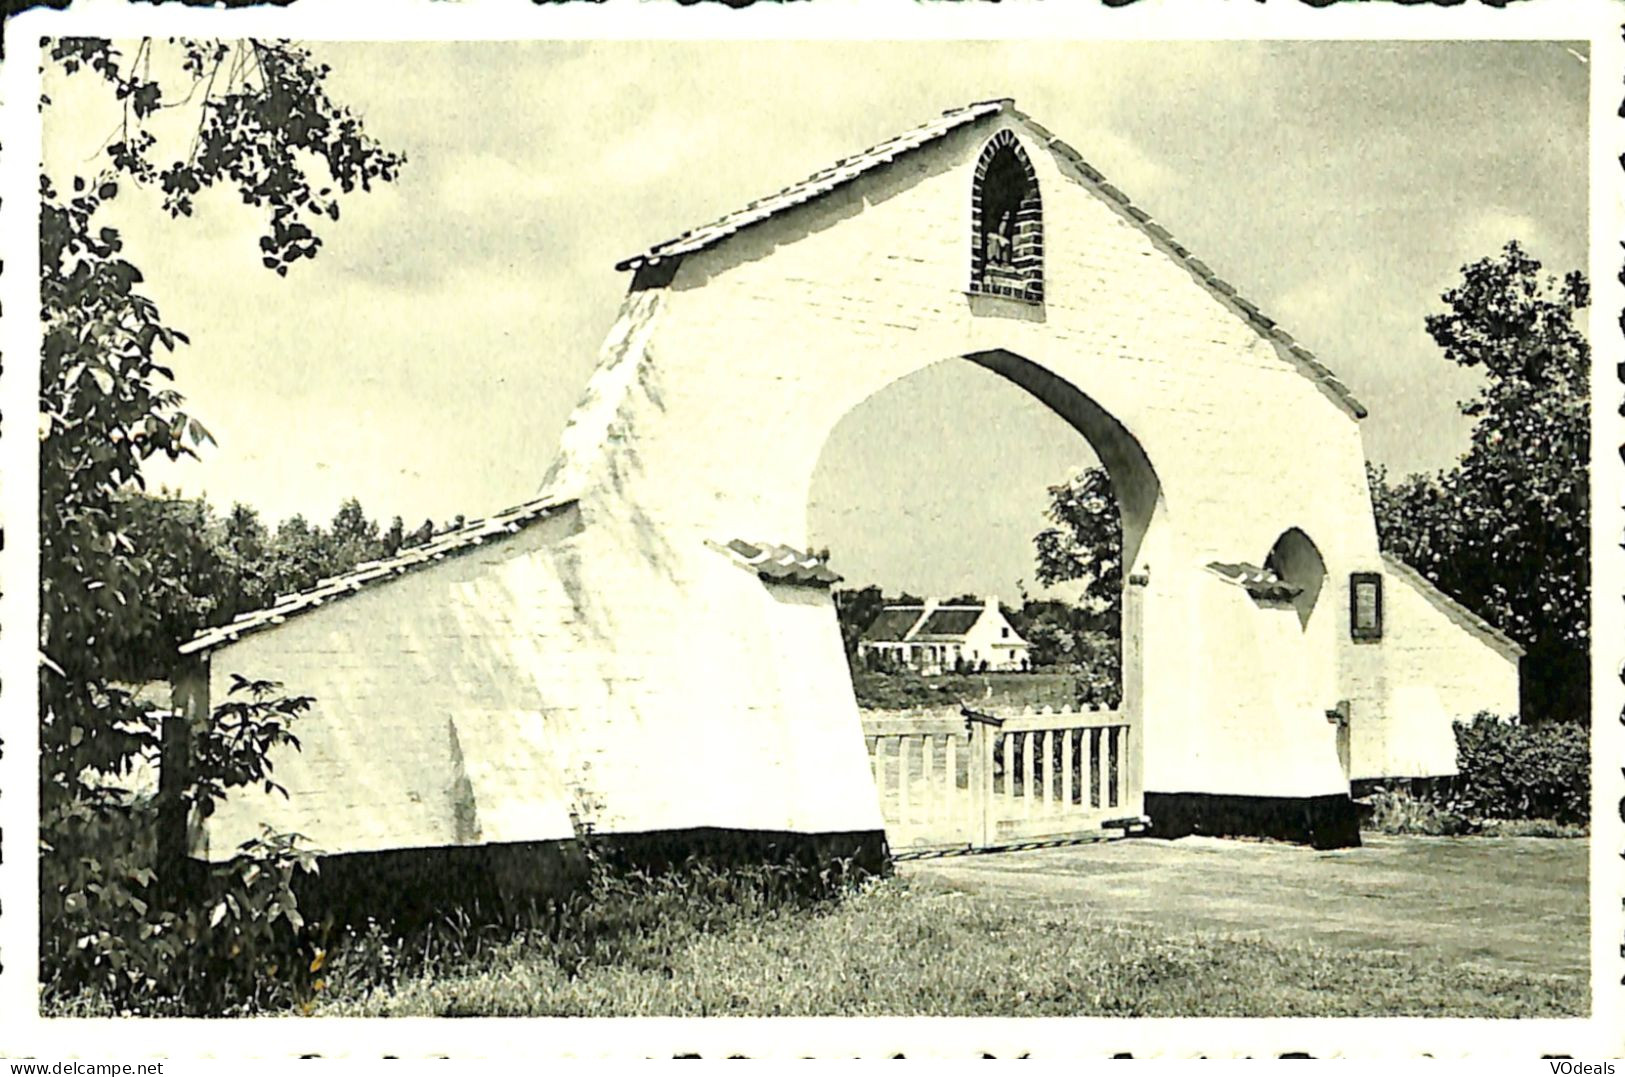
(1262, 584)
(820, 183)
(1452, 608)
(437, 548)
(779, 564)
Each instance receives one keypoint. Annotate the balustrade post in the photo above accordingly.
(902, 778)
(980, 766)
(1066, 769)
(1131, 762)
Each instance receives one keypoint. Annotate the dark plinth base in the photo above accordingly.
(861, 851)
(403, 887)
(1324, 822)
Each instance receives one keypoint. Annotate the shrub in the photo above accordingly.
(231, 938)
(1397, 811)
(236, 944)
(1509, 770)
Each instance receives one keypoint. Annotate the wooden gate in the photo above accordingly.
(963, 780)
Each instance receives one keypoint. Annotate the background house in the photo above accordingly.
(934, 637)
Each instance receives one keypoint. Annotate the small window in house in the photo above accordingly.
(1004, 633)
(1365, 606)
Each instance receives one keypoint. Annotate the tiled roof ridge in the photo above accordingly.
(1260, 582)
(775, 562)
(471, 534)
(1452, 607)
(819, 183)
(850, 168)
(1305, 360)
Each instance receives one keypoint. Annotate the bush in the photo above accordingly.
(234, 945)
(1397, 811)
(115, 937)
(1509, 770)
(1514, 780)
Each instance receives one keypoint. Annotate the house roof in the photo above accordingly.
(924, 624)
(1072, 163)
(1454, 610)
(950, 622)
(780, 564)
(470, 535)
(893, 624)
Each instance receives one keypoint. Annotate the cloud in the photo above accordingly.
(1488, 230)
(430, 355)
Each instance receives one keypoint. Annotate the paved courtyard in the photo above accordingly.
(1512, 903)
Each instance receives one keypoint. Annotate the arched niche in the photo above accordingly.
(1007, 223)
(1297, 561)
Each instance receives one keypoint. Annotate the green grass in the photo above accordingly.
(1531, 828)
(893, 947)
(903, 691)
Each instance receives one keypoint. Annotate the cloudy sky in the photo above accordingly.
(428, 359)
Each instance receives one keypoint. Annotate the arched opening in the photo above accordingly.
(932, 494)
(1295, 560)
(1007, 223)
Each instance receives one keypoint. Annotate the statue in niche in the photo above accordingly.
(997, 243)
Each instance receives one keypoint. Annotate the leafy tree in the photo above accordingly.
(1507, 530)
(350, 523)
(1084, 542)
(353, 539)
(245, 535)
(1053, 642)
(187, 577)
(202, 569)
(267, 129)
(395, 537)
(856, 610)
(424, 533)
(246, 547)
(298, 555)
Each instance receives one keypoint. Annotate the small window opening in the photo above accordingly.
(1007, 244)
(1365, 605)
(1294, 559)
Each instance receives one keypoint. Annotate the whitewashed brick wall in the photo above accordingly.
(623, 669)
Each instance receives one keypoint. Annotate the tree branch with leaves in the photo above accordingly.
(1507, 530)
(265, 128)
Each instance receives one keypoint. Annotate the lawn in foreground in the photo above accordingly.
(901, 947)
(1515, 904)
